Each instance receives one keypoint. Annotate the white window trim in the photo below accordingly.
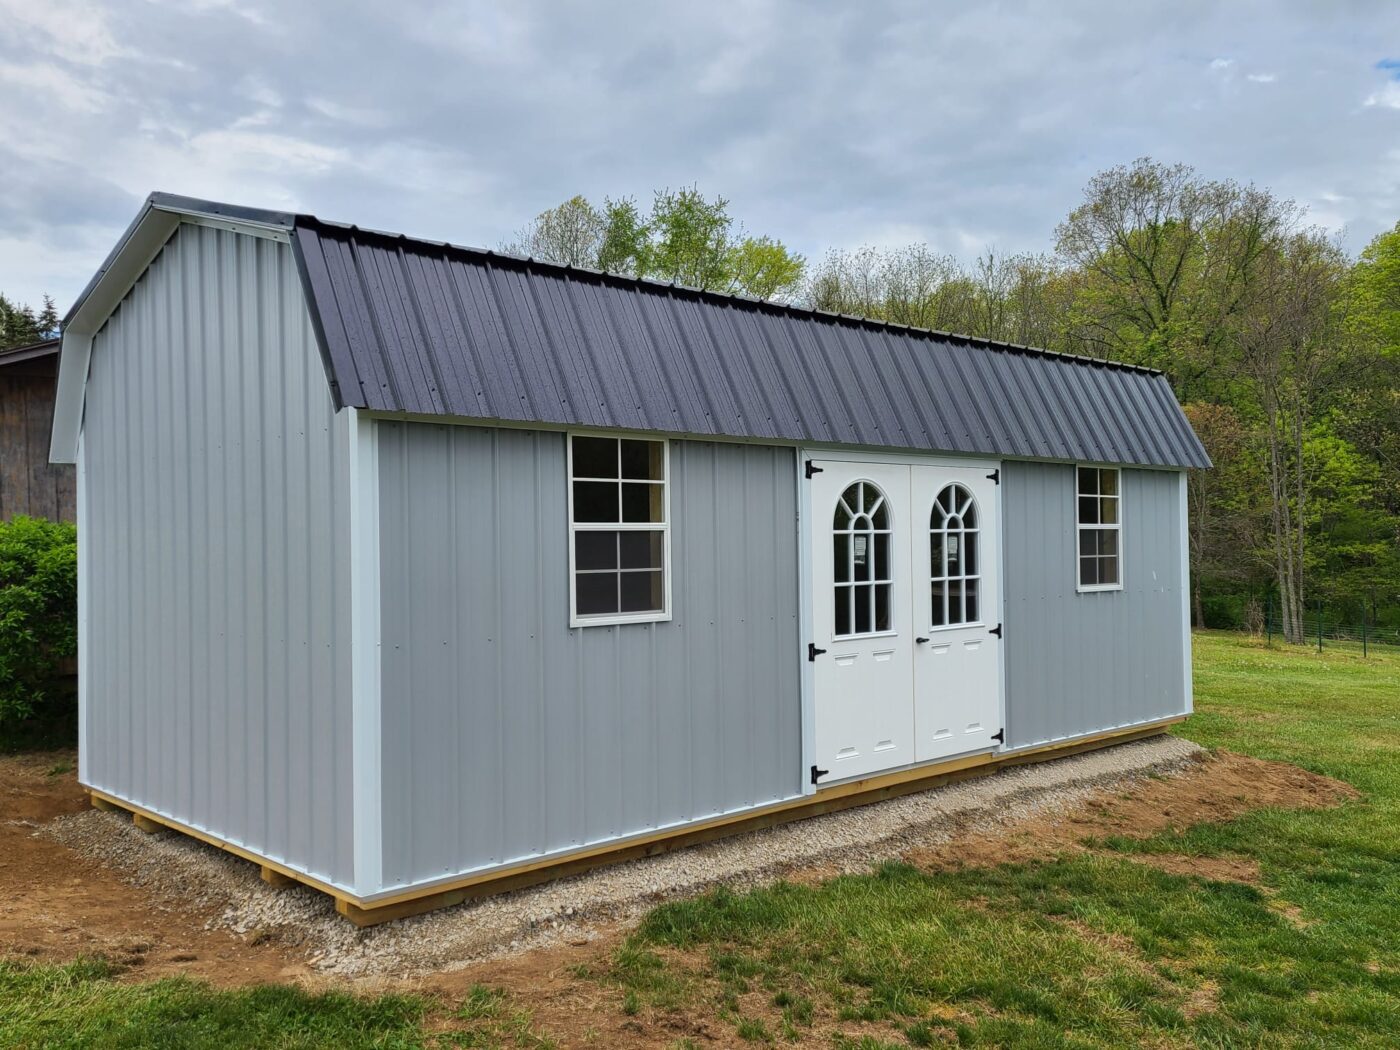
(615, 619)
(1096, 588)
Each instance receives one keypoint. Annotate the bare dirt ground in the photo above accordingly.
(57, 903)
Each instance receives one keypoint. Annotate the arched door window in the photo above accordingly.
(861, 538)
(954, 567)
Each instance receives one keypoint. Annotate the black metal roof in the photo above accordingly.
(432, 329)
(424, 328)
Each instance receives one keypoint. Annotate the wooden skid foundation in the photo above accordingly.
(276, 879)
(830, 800)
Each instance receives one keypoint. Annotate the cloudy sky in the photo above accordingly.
(825, 124)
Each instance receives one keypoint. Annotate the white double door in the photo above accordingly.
(906, 610)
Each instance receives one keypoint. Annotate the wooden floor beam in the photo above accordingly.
(146, 824)
(275, 878)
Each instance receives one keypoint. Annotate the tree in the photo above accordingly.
(571, 233)
(1168, 259)
(686, 238)
(1293, 349)
(764, 268)
(20, 325)
(624, 247)
(912, 285)
(689, 240)
(1374, 293)
(1221, 519)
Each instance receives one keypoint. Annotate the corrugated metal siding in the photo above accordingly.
(1080, 663)
(508, 735)
(430, 329)
(216, 539)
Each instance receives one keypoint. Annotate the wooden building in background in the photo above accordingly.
(29, 483)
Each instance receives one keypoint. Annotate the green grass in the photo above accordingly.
(80, 1005)
(1085, 950)
(1094, 950)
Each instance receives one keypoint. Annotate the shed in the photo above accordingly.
(29, 484)
(413, 571)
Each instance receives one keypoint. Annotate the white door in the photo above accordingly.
(957, 607)
(863, 646)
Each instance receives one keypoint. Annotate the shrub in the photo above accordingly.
(38, 622)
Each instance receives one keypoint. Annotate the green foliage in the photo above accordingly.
(686, 238)
(1375, 293)
(20, 324)
(38, 618)
(624, 245)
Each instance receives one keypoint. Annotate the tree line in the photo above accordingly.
(1284, 351)
(21, 324)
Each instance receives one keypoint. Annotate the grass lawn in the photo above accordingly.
(1084, 950)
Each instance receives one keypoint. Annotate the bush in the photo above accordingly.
(38, 623)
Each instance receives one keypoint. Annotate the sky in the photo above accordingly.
(964, 126)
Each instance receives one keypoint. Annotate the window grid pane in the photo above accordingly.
(1097, 513)
(953, 561)
(861, 562)
(619, 526)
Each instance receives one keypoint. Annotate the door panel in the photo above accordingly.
(862, 684)
(956, 561)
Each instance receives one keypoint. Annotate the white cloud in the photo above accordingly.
(1221, 63)
(53, 83)
(364, 116)
(1262, 78)
(1388, 96)
(75, 31)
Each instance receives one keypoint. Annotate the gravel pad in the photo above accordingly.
(183, 874)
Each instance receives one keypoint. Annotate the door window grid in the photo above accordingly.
(861, 545)
(1099, 525)
(954, 566)
(619, 530)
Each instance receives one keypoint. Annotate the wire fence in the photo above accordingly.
(1320, 630)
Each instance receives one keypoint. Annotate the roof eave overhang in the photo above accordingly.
(158, 218)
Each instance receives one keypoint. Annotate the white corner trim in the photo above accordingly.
(84, 632)
(74, 355)
(1188, 684)
(366, 728)
(806, 673)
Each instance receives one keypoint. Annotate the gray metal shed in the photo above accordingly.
(411, 571)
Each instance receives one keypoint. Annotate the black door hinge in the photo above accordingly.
(996, 630)
(999, 736)
(812, 468)
(817, 774)
(813, 652)
(995, 476)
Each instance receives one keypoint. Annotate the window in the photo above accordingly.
(954, 569)
(860, 534)
(1100, 522)
(619, 545)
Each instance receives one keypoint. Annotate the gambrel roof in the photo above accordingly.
(422, 329)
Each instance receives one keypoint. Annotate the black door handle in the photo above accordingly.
(920, 641)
